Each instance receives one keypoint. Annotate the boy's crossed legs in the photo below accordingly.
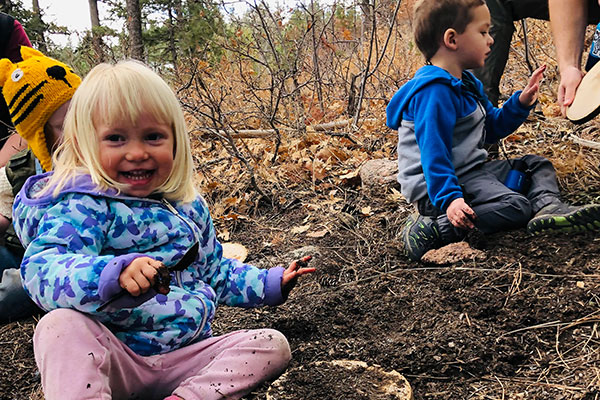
(499, 208)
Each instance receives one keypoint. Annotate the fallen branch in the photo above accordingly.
(585, 142)
(265, 133)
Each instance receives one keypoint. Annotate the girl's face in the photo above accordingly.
(139, 155)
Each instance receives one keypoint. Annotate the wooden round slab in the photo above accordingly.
(235, 250)
(341, 379)
(586, 104)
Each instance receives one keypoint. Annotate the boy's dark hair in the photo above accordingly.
(433, 17)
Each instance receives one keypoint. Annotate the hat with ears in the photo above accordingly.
(33, 90)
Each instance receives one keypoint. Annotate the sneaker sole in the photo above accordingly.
(584, 219)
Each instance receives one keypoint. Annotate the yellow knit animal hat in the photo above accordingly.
(34, 89)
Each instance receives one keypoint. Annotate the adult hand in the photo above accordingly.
(529, 95)
(461, 215)
(570, 78)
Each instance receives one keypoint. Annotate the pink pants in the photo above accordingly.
(79, 358)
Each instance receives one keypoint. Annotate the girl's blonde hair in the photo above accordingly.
(111, 93)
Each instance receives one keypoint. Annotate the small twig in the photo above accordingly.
(525, 41)
(501, 386)
(584, 142)
(527, 328)
(536, 383)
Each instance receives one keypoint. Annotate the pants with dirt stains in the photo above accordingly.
(79, 358)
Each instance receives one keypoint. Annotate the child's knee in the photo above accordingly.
(276, 345)
(520, 208)
(60, 324)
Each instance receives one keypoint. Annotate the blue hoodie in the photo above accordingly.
(442, 127)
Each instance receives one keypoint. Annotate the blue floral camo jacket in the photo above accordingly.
(78, 242)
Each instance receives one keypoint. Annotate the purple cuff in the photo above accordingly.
(273, 295)
(109, 277)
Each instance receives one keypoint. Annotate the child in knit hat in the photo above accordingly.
(37, 91)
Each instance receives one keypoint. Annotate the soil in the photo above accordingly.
(519, 321)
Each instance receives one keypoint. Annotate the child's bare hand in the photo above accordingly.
(291, 274)
(529, 95)
(461, 215)
(142, 274)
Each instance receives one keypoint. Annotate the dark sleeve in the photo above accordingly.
(18, 38)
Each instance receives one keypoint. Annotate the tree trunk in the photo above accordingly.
(96, 34)
(38, 31)
(134, 25)
(172, 43)
(366, 7)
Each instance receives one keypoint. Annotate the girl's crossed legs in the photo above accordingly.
(79, 358)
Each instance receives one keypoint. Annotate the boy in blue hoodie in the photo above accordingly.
(444, 119)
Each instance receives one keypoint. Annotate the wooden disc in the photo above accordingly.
(586, 104)
(235, 250)
(367, 381)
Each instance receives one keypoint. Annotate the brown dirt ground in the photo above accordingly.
(522, 324)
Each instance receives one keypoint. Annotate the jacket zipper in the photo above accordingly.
(170, 207)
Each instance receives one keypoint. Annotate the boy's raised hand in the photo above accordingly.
(460, 214)
(142, 274)
(291, 274)
(529, 95)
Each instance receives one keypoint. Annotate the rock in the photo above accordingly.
(453, 253)
(379, 173)
(299, 253)
(286, 259)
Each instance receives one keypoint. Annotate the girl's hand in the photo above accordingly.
(142, 274)
(529, 95)
(461, 215)
(291, 274)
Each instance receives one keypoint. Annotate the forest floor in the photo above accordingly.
(521, 323)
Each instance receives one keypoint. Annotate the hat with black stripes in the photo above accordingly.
(34, 89)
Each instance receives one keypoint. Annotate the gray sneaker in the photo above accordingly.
(420, 234)
(561, 217)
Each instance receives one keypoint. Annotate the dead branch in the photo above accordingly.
(584, 142)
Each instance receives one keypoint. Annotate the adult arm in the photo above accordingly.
(568, 20)
(13, 144)
(6, 201)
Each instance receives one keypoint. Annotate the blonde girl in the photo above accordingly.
(121, 249)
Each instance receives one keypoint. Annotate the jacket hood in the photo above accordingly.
(81, 183)
(424, 76)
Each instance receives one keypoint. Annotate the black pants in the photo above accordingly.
(497, 207)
